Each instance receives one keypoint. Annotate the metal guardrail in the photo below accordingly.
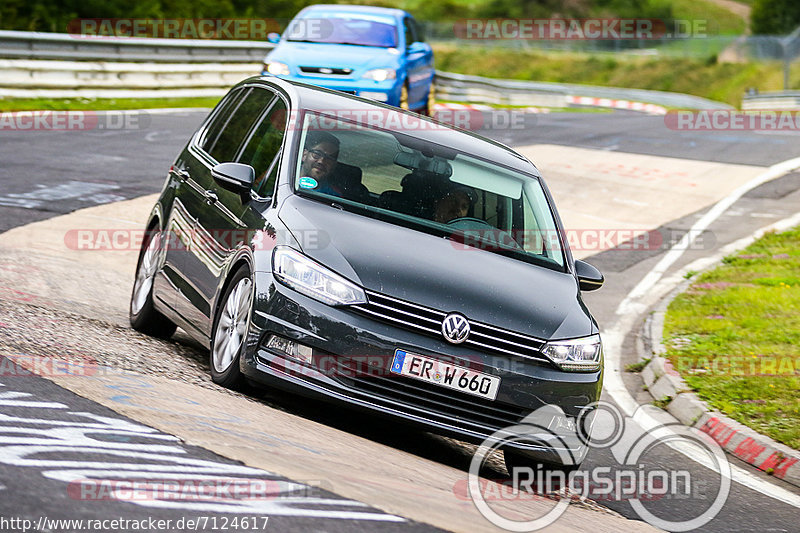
(772, 100)
(46, 63)
(36, 45)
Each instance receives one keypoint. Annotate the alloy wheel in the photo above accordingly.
(145, 274)
(232, 325)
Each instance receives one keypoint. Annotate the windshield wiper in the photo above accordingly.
(359, 44)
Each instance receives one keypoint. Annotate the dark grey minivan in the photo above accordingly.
(360, 254)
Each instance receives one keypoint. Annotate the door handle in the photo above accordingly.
(182, 174)
(211, 196)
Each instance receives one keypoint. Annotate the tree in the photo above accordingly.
(774, 17)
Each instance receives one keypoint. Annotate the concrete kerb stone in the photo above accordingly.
(664, 383)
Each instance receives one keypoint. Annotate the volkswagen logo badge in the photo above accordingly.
(455, 328)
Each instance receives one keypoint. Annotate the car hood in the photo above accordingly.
(439, 273)
(333, 55)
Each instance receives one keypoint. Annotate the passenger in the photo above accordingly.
(455, 203)
(319, 158)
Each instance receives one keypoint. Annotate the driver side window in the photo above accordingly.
(263, 149)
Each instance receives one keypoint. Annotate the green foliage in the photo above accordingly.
(775, 17)
(638, 366)
(55, 15)
(726, 82)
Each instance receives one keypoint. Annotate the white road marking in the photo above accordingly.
(653, 287)
(117, 462)
(71, 189)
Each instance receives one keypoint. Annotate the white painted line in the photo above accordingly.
(654, 286)
(700, 226)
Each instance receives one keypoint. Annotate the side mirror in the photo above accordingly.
(589, 278)
(415, 48)
(234, 177)
(273, 37)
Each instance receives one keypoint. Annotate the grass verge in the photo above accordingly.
(724, 82)
(101, 104)
(734, 336)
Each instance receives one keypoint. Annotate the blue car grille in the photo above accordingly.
(484, 337)
(327, 71)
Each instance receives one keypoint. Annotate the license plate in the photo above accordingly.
(445, 374)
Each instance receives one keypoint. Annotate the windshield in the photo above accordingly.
(400, 179)
(345, 28)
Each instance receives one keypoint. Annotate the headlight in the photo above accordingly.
(277, 69)
(314, 280)
(380, 74)
(580, 355)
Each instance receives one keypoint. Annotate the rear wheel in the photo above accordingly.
(230, 330)
(142, 313)
(430, 102)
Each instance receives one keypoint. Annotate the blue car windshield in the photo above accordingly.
(353, 29)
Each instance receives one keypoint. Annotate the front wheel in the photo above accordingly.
(142, 313)
(230, 330)
(404, 97)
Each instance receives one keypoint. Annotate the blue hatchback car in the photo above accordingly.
(377, 53)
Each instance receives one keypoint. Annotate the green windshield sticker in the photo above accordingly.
(308, 183)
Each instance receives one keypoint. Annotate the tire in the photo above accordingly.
(404, 97)
(142, 313)
(230, 330)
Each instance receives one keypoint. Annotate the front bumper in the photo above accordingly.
(387, 91)
(352, 354)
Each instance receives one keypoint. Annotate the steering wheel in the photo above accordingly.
(468, 223)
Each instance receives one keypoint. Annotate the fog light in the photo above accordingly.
(380, 97)
(290, 348)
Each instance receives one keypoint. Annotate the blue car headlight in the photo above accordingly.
(277, 68)
(308, 277)
(380, 74)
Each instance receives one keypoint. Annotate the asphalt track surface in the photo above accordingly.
(49, 173)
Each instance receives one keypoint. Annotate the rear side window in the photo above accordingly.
(230, 127)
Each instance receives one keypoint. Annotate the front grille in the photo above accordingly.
(485, 337)
(448, 406)
(327, 71)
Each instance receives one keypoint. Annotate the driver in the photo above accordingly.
(319, 156)
(455, 203)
